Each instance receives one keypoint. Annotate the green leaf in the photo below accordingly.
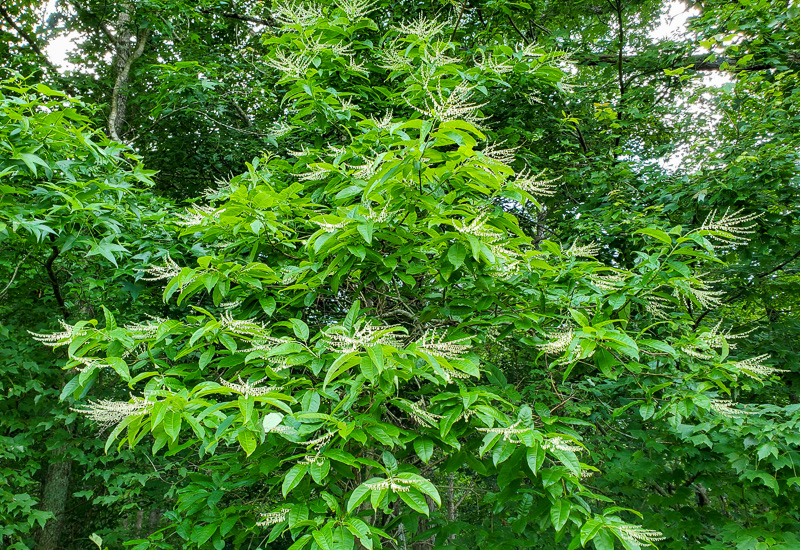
(423, 446)
(247, 440)
(293, 478)
(415, 500)
(559, 513)
(300, 329)
(358, 496)
(172, 424)
(603, 540)
(535, 456)
(457, 254)
(657, 234)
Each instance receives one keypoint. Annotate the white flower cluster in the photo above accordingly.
(108, 413)
(713, 338)
(168, 271)
(59, 338)
(494, 153)
(725, 407)
(356, 9)
(456, 106)
(385, 123)
(382, 216)
(195, 215)
(273, 517)
(146, 330)
(293, 65)
(636, 533)
(657, 306)
(280, 129)
(422, 416)
(489, 64)
(422, 27)
(297, 13)
(266, 343)
(608, 282)
(362, 338)
(303, 152)
(702, 292)
(477, 228)
(393, 60)
(534, 184)
(433, 343)
(560, 444)
(312, 459)
(241, 327)
(393, 484)
(89, 363)
(368, 169)
(755, 367)
(508, 432)
(315, 46)
(320, 441)
(249, 389)
(332, 227)
(315, 174)
(435, 53)
(730, 228)
(558, 342)
(584, 251)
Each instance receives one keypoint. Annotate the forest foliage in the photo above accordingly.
(371, 274)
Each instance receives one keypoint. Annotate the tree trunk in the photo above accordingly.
(124, 56)
(54, 499)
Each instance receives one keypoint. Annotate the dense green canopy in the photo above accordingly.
(411, 275)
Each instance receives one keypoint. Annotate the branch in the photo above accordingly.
(698, 62)
(27, 37)
(230, 15)
(458, 21)
(524, 38)
(48, 266)
(741, 292)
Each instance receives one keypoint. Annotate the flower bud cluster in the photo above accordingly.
(422, 417)
(320, 441)
(249, 389)
(108, 413)
(583, 251)
(168, 271)
(508, 432)
(534, 185)
(422, 27)
(59, 338)
(755, 367)
(362, 338)
(273, 517)
(725, 407)
(560, 444)
(558, 342)
(356, 9)
(635, 533)
(433, 343)
(393, 484)
(730, 229)
(195, 215)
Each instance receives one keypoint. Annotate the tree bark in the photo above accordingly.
(124, 56)
(55, 495)
(698, 62)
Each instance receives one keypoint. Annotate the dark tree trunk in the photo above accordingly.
(54, 499)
